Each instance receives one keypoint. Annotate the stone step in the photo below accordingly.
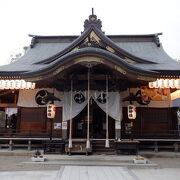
(129, 164)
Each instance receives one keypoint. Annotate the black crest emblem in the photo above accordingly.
(102, 98)
(79, 98)
(41, 97)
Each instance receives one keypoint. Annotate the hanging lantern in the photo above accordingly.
(33, 86)
(7, 84)
(172, 83)
(1, 84)
(11, 84)
(51, 111)
(151, 85)
(23, 84)
(160, 83)
(17, 84)
(131, 111)
(177, 83)
(166, 83)
(28, 85)
(155, 84)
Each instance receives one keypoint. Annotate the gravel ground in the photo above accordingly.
(13, 167)
(14, 163)
(165, 162)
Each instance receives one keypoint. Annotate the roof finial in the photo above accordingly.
(92, 21)
(92, 11)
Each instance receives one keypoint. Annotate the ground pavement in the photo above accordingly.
(18, 166)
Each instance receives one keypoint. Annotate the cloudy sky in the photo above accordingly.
(18, 18)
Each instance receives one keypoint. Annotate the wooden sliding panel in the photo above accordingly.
(149, 121)
(33, 119)
(155, 120)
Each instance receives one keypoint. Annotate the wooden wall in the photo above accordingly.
(150, 122)
(35, 120)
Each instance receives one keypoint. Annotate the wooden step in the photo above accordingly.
(98, 146)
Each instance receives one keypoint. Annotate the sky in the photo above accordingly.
(19, 18)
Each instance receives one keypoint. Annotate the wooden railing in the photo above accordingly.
(170, 134)
(24, 133)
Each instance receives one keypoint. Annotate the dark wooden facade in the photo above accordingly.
(151, 123)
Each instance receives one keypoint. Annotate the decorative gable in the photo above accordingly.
(93, 40)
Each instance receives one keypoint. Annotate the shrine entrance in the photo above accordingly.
(97, 124)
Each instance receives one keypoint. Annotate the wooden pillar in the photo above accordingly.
(88, 111)
(107, 121)
(10, 145)
(70, 127)
(29, 145)
(156, 146)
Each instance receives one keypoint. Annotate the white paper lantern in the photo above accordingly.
(17, 84)
(172, 83)
(11, 84)
(160, 83)
(177, 83)
(155, 84)
(7, 84)
(166, 83)
(23, 84)
(151, 85)
(33, 86)
(28, 85)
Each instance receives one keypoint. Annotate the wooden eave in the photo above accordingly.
(68, 60)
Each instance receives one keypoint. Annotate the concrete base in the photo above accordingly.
(38, 159)
(140, 161)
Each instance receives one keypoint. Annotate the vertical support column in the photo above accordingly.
(176, 147)
(118, 123)
(29, 145)
(156, 146)
(10, 145)
(107, 121)
(64, 130)
(51, 130)
(70, 127)
(88, 111)
(118, 130)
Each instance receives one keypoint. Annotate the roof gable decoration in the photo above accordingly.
(93, 40)
(95, 37)
(92, 21)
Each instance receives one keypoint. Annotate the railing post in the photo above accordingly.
(29, 145)
(176, 148)
(10, 145)
(156, 146)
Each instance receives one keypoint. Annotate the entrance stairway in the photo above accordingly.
(98, 147)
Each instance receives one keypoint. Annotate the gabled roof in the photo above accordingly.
(139, 53)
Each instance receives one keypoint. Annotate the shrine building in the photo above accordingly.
(91, 93)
